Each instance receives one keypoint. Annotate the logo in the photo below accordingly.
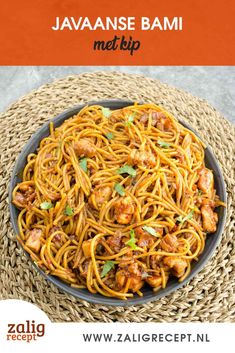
(27, 331)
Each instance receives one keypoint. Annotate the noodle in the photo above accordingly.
(115, 200)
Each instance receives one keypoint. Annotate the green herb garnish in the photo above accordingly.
(130, 119)
(68, 211)
(120, 189)
(83, 164)
(107, 267)
(46, 205)
(182, 219)
(127, 169)
(150, 230)
(132, 241)
(163, 144)
(106, 112)
(109, 135)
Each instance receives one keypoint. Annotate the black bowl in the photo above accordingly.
(211, 242)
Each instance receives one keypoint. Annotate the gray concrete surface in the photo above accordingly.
(215, 84)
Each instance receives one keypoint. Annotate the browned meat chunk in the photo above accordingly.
(25, 196)
(155, 261)
(20, 200)
(115, 242)
(86, 248)
(163, 123)
(154, 281)
(124, 210)
(144, 238)
(206, 181)
(169, 243)
(84, 268)
(144, 118)
(176, 264)
(84, 147)
(144, 158)
(99, 196)
(209, 219)
(57, 239)
(131, 272)
(33, 241)
(209, 202)
(159, 120)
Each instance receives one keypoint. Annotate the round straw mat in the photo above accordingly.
(209, 296)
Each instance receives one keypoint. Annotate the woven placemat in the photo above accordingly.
(210, 295)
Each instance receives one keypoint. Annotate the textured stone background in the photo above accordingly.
(215, 84)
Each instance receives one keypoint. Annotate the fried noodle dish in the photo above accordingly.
(113, 201)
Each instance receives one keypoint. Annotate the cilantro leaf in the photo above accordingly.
(106, 112)
(46, 205)
(107, 267)
(189, 216)
(83, 164)
(180, 219)
(120, 189)
(109, 135)
(68, 211)
(132, 241)
(163, 144)
(150, 230)
(130, 119)
(126, 169)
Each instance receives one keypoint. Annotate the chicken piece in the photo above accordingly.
(163, 123)
(115, 242)
(155, 261)
(135, 282)
(33, 241)
(131, 272)
(209, 202)
(99, 196)
(144, 158)
(144, 238)
(169, 243)
(159, 120)
(176, 264)
(206, 181)
(209, 219)
(154, 281)
(124, 210)
(84, 268)
(57, 239)
(86, 248)
(84, 147)
(201, 201)
(20, 200)
(144, 119)
(25, 196)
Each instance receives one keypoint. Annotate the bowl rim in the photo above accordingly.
(84, 294)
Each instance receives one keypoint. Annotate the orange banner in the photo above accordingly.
(150, 32)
